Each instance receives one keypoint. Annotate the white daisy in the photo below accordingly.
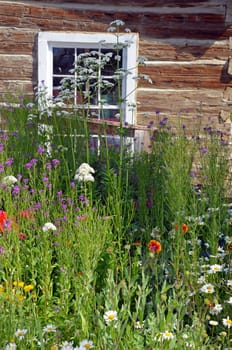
(139, 325)
(11, 346)
(110, 316)
(20, 333)
(67, 345)
(213, 323)
(207, 288)
(216, 309)
(49, 328)
(227, 322)
(167, 335)
(215, 268)
(86, 344)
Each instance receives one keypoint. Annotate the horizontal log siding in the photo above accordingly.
(174, 37)
(188, 75)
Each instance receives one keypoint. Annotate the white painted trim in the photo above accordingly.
(48, 40)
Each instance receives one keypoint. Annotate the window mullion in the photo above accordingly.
(75, 77)
(99, 85)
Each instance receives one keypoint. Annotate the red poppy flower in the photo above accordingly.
(3, 218)
(22, 236)
(154, 246)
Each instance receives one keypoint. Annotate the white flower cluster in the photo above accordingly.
(9, 180)
(84, 173)
(49, 226)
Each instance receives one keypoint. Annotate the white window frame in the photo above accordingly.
(48, 40)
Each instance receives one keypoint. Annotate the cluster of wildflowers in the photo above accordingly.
(84, 173)
(49, 226)
(9, 180)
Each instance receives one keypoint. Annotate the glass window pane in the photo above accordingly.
(110, 92)
(105, 114)
(114, 61)
(63, 60)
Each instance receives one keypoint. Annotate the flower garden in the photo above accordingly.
(112, 249)
(105, 248)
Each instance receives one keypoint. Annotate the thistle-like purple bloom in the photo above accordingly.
(9, 161)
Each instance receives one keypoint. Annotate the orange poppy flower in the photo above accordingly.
(184, 228)
(154, 246)
(137, 244)
(82, 218)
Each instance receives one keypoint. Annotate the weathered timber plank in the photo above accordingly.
(155, 49)
(184, 49)
(128, 2)
(16, 67)
(15, 87)
(186, 75)
(193, 108)
(166, 24)
(17, 40)
(167, 100)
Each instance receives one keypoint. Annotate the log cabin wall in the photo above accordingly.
(188, 46)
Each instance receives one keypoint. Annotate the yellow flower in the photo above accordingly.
(28, 288)
(18, 283)
(20, 297)
(54, 347)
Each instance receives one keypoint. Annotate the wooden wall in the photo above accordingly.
(188, 45)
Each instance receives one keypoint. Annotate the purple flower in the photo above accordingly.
(2, 250)
(55, 162)
(19, 176)
(203, 150)
(48, 166)
(28, 165)
(37, 206)
(1, 147)
(16, 190)
(1, 168)
(163, 121)
(34, 161)
(40, 150)
(9, 161)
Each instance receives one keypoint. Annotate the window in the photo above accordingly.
(62, 63)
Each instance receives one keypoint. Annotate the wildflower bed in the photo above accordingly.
(129, 251)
